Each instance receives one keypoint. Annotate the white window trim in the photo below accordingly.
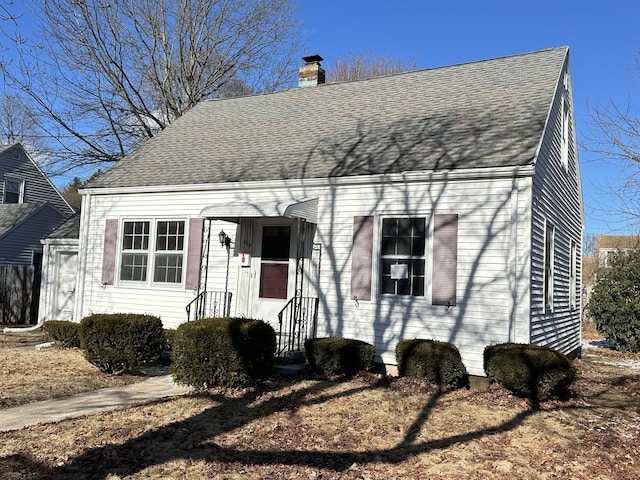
(548, 283)
(151, 253)
(378, 273)
(565, 132)
(573, 274)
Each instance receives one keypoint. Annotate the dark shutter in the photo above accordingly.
(194, 253)
(110, 249)
(361, 260)
(445, 259)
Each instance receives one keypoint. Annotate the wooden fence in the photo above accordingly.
(19, 294)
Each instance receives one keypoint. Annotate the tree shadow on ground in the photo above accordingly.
(195, 438)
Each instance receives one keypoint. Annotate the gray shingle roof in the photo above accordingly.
(69, 229)
(11, 214)
(474, 115)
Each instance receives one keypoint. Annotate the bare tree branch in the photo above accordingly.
(360, 66)
(104, 76)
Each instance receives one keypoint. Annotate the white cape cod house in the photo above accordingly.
(439, 204)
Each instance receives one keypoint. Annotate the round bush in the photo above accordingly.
(229, 352)
(336, 355)
(531, 371)
(614, 304)
(120, 342)
(439, 362)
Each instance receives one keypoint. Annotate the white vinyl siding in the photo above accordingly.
(487, 286)
(557, 200)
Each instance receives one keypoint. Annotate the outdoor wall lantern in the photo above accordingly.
(225, 240)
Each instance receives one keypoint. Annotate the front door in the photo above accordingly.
(273, 269)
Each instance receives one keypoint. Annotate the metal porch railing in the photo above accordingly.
(209, 304)
(297, 322)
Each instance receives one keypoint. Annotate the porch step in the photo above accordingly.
(287, 370)
(291, 357)
(290, 363)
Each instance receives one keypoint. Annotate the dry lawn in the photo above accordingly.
(27, 375)
(363, 428)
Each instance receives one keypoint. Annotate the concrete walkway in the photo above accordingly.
(88, 403)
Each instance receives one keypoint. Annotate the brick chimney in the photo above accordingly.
(311, 73)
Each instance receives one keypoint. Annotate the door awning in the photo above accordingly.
(306, 208)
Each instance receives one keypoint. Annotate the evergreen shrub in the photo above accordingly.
(168, 336)
(530, 371)
(63, 332)
(614, 304)
(228, 352)
(120, 342)
(334, 355)
(439, 362)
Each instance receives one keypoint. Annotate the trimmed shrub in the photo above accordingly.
(229, 352)
(614, 303)
(333, 355)
(531, 371)
(63, 332)
(120, 342)
(168, 336)
(438, 362)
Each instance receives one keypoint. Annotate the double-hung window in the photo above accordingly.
(135, 251)
(13, 190)
(403, 256)
(164, 255)
(169, 252)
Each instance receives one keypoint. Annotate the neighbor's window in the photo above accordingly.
(403, 256)
(549, 235)
(167, 257)
(13, 190)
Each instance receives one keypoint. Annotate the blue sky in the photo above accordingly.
(603, 37)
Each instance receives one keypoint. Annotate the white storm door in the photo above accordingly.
(273, 269)
(65, 285)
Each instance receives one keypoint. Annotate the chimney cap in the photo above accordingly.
(313, 58)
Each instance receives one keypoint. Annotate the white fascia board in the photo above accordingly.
(61, 241)
(405, 177)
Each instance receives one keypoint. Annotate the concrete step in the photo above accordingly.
(292, 357)
(289, 369)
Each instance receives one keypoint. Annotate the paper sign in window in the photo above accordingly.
(399, 271)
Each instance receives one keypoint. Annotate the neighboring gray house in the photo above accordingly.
(440, 204)
(31, 207)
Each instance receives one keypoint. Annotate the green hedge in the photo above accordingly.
(229, 352)
(168, 336)
(63, 332)
(531, 371)
(333, 355)
(438, 362)
(120, 342)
